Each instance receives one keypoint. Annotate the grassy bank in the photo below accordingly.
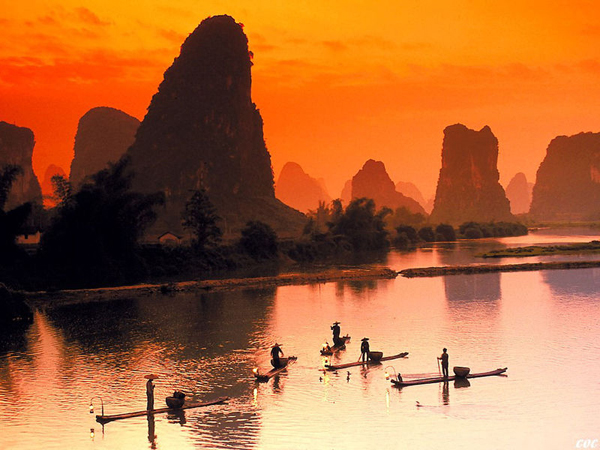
(489, 268)
(537, 250)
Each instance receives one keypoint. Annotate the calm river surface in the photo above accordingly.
(544, 326)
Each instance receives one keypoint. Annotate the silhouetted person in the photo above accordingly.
(150, 394)
(444, 359)
(336, 334)
(364, 349)
(275, 351)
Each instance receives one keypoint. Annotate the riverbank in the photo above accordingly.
(45, 299)
(538, 250)
(489, 268)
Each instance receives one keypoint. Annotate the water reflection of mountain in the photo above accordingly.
(580, 282)
(472, 287)
(205, 325)
(355, 286)
(197, 342)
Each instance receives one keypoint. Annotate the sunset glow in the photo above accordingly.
(337, 83)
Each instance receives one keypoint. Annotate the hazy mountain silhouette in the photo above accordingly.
(202, 130)
(468, 187)
(346, 194)
(16, 147)
(518, 193)
(103, 135)
(410, 190)
(299, 190)
(567, 185)
(429, 205)
(51, 171)
(372, 181)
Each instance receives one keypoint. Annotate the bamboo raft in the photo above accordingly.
(264, 377)
(336, 348)
(365, 363)
(403, 383)
(109, 418)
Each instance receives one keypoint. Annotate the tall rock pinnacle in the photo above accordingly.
(16, 147)
(202, 131)
(468, 188)
(567, 185)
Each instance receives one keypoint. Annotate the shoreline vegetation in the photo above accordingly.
(489, 268)
(93, 243)
(44, 299)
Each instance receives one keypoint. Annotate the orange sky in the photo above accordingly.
(337, 82)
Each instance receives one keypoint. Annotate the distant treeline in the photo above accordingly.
(93, 237)
(408, 236)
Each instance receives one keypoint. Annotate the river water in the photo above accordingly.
(544, 326)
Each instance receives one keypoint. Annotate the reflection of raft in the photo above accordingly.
(366, 363)
(336, 348)
(271, 373)
(442, 379)
(105, 419)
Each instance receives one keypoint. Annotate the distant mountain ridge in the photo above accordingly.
(299, 190)
(373, 181)
(411, 190)
(518, 193)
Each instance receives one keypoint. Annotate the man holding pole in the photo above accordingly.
(444, 359)
(150, 391)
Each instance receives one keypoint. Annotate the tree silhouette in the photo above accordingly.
(200, 216)
(259, 240)
(426, 234)
(63, 191)
(362, 225)
(11, 222)
(96, 232)
(445, 232)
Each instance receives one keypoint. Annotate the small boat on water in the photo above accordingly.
(264, 377)
(365, 363)
(404, 383)
(109, 418)
(328, 351)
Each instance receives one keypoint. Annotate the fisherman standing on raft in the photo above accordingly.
(150, 391)
(337, 342)
(444, 359)
(275, 351)
(364, 349)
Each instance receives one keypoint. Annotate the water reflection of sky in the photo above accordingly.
(465, 252)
